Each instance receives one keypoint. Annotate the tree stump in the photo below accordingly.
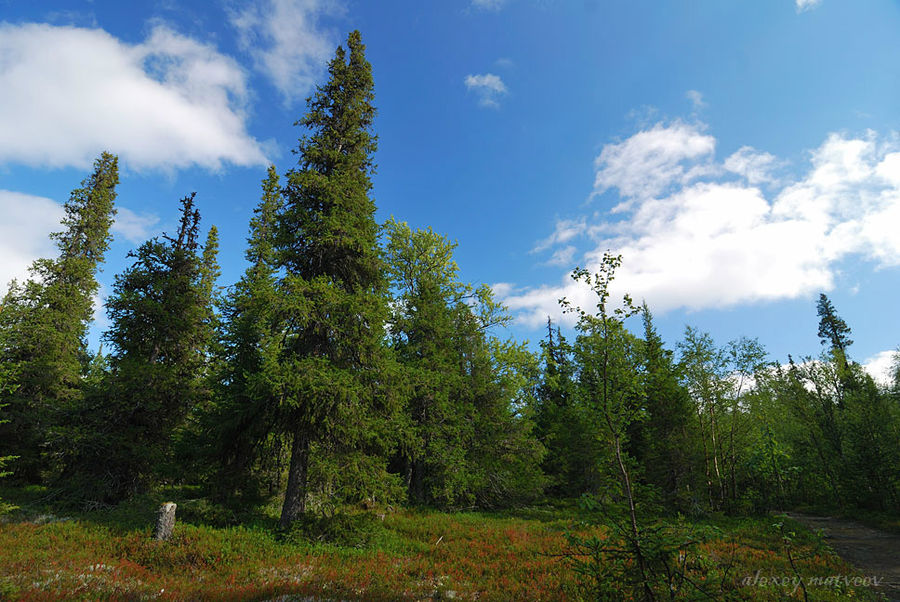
(165, 522)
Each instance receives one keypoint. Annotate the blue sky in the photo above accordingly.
(742, 156)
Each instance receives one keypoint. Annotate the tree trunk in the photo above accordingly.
(716, 453)
(635, 530)
(295, 495)
(707, 473)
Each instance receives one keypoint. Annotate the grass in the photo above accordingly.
(409, 555)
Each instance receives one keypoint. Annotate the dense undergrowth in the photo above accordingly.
(47, 553)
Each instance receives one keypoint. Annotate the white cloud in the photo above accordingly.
(27, 220)
(169, 102)
(565, 231)
(881, 366)
(134, 227)
(502, 289)
(751, 164)
(286, 42)
(488, 87)
(696, 99)
(805, 5)
(562, 257)
(649, 162)
(693, 238)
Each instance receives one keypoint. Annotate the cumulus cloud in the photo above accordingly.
(695, 233)
(286, 41)
(27, 220)
(753, 165)
(881, 366)
(488, 87)
(805, 5)
(168, 102)
(647, 163)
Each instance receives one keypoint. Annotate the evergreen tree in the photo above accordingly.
(833, 330)
(241, 429)
(333, 292)
(44, 324)
(835, 333)
(159, 311)
(209, 274)
(568, 433)
(662, 443)
(7, 385)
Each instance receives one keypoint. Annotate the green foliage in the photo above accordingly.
(825, 434)
(364, 374)
(7, 384)
(612, 391)
(606, 567)
(160, 335)
(332, 377)
(44, 325)
(566, 431)
(833, 331)
(466, 438)
(239, 432)
(663, 443)
(350, 530)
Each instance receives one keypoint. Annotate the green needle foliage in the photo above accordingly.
(332, 295)
(160, 336)
(241, 430)
(44, 326)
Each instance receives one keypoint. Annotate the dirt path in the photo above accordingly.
(873, 552)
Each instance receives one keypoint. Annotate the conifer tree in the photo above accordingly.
(833, 330)
(159, 311)
(662, 441)
(567, 432)
(7, 384)
(834, 333)
(209, 270)
(44, 324)
(333, 290)
(241, 428)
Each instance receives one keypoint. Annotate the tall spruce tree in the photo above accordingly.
(44, 325)
(835, 334)
(242, 427)
(333, 290)
(159, 313)
(833, 331)
(568, 433)
(662, 442)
